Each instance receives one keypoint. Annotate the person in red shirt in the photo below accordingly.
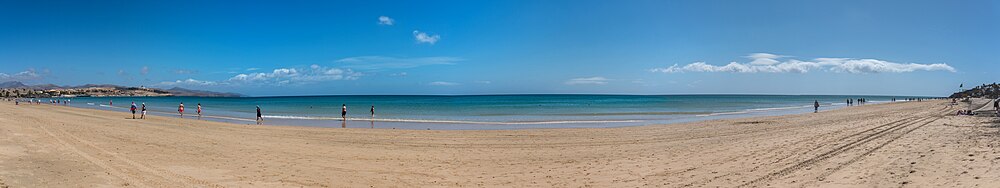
(199, 110)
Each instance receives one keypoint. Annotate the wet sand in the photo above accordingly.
(885, 145)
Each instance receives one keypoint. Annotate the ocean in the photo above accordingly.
(478, 112)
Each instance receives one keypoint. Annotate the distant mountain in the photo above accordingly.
(45, 87)
(97, 85)
(12, 84)
(177, 91)
(116, 90)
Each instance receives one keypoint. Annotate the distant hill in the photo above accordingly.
(177, 91)
(991, 91)
(46, 87)
(119, 90)
(12, 84)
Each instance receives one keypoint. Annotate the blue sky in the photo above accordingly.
(265, 48)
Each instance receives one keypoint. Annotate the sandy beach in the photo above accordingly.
(908, 144)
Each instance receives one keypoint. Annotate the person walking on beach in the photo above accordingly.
(260, 119)
(996, 105)
(132, 108)
(816, 106)
(199, 110)
(343, 112)
(180, 109)
(848, 102)
(142, 114)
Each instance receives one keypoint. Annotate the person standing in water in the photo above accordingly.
(260, 119)
(143, 114)
(343, 112)
(816, 106)
(180, 109)
(373, 112)
(199, 110)
(132, 108)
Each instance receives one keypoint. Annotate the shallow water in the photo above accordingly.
(478, 111)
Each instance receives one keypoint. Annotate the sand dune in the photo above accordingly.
(884, 145)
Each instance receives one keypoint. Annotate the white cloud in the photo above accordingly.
(188, 82)
(29, 74)
(381, 62)
(440, 83)
(877, 66)
(423, 37)
(385, 20)
(770, 63)
(253, 69)
(318, 73)
(185, 71)
(144, 70)
(588, 81)
(283, 76)
(764, 58)
(484, 82)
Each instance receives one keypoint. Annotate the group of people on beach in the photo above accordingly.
(343, 113)
(259, 119)
(142, 110)
(39, 101)
(57, 101)
(180, 110)
(859, 101)
(966, 112)
(996, 108)
(133, 108)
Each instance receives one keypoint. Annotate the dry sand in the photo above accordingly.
(886, 145)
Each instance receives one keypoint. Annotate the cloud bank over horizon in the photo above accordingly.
(771, 63)
(26, 75)
(350, 68)
(597, 80)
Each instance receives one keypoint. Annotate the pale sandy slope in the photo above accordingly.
(888, 145)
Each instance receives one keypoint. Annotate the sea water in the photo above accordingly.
(477, 111)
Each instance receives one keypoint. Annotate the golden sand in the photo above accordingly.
(884, 145)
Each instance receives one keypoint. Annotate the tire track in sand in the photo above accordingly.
(807, 150)
(164, 174)
(109, 170)
(836, 151)
(876, 148)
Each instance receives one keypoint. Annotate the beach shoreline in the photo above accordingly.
(493, 112)
(880, 145)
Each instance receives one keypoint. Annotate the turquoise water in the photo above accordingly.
(479, 111)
